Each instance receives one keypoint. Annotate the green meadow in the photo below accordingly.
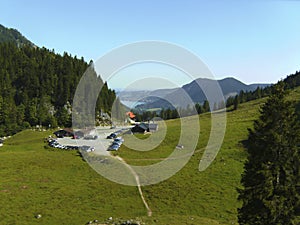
(64, 189)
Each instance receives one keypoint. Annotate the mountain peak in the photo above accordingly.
(14, 36)
(230, 86)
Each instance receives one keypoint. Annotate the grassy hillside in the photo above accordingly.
(61, 187)
(210, 194)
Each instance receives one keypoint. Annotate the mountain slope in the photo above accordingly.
(37, 86)
(208, 197)
(14, 36)
(229, 87)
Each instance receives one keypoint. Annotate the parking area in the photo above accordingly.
(97, 139)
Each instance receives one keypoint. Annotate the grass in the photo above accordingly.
(210, 194)
(62, 187)
(57, 184)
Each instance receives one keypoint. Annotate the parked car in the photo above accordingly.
(111, 136)
(78, 134)
(117, 143)
(90, 137)
(87, 148)
(91, 149)
(119, 139)
(113, 147)
(54, 144)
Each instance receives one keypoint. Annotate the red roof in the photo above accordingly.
(130, 114)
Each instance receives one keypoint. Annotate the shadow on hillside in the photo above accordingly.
(244, 143)
(297, 108)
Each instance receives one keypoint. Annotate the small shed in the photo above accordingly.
(144, 127)
(140, 128)
(67, 132)
(153, 127)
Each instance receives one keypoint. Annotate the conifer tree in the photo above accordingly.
(271, 172)
(206, 106)
(236, 102)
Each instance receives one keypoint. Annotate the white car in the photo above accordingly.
(87, 148)
(119, 139)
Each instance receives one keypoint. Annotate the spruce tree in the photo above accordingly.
(206, 106)
(271, 172)
(236, 102)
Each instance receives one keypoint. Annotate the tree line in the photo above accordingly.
(171, 113)
(37, 87)
(290, 82)
(199, 108)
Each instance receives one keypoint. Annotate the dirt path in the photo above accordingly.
(149, 211)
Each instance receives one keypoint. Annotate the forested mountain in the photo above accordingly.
(229, 86)
(37, 87)
(258, 91)
(14, 36)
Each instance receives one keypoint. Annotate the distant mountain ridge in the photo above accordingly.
(14, 36)
(155, 99)
(229, 86)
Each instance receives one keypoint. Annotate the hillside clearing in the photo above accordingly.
(64, 189)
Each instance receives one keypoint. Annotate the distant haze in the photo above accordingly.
(156, 98)
(148, 76)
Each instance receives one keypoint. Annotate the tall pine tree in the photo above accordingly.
(271, 173)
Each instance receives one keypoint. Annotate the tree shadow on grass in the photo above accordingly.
(297, 109)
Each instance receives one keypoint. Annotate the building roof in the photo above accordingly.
(145, 127)
(131, 115)
(140, 128)
(153, 126)
(70, 130)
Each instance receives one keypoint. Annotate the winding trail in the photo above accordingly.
(137, 179)
(149, 211)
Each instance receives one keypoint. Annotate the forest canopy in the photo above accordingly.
(37, 87)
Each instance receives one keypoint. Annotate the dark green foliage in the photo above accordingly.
(199, 108)
(293, 80)
(206, 107)
(271, 173)
(236, 102)
(14, 36)
(290, 82)
(37, 87)
(248, 96)
(169, 114)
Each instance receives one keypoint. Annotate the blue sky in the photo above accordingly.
(253, 41)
